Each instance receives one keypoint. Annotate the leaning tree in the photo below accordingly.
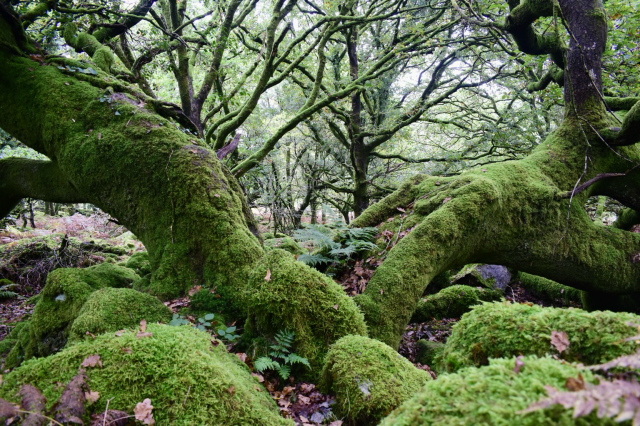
(170, 189)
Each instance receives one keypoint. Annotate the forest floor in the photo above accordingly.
(300, 401)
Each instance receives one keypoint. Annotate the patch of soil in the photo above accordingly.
(12, 311)
(514, 292)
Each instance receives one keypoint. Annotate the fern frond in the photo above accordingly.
(296, 359)
(265, 363)
(343, 252)
(314, 259)
(284, 371)
(285, 338)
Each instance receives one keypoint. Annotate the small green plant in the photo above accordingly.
(335, 245)
(6, 292)
(281, 358)
(202, 324)
(228, 334)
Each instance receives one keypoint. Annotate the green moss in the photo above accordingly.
(285, 243)
(300, 299)
(112, 309)
(139, 262)
(452, 302)
(368, 378)
(495, 330)
(60, 302)
(189, 381)
(442, 280)
(429, 353)
(493, 395)
(548, 289)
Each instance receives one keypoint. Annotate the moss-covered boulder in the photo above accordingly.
(369, 379)
(452, 302)
(429, 353)
(548, 289)
(490, 276)
(112, 309)
(495, 330)
(286, 294)
(285, 243)
(188, 379)
(493, 395)
(139, 262)
(60, 302)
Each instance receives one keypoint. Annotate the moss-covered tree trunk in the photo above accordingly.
(526, 214)
(109, 147)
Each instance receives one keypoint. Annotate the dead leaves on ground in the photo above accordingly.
(560, 340)
(143, 412)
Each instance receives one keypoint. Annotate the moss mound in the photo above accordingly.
(59, 304)
(369, 379)
(298, 298)
(112, 309)
(452, 302)
(493, 395)
(429, 353)
(173, 362)
(505, 329)
(285, 243)
(139, 262)
(548, 289)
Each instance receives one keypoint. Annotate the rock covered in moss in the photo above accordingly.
(490, 276)
(286, 294)
(429, 353)
(495, 330)
(188, 379)
(548, 289)
(112, 309)
(452, 302)
(60, 302)
(493, 395)
(369, 379)
(139, 262)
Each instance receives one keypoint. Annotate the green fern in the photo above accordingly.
(280, 356)
(314, 259)
(6, 293)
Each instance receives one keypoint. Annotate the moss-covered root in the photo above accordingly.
(493, 395)
(112, 309)
(452, 302)
(494, 330)
(189, 381)
(548, 289)
(369, 379)
(286, 294)
(60, 302)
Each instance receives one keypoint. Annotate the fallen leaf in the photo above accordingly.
(256, 387)
(304, 399)
(91, 361)
(381, 291)
(7, 410)
(268, 276)
(560, 340)
(336, 423)
(216, 195)
(119, 333)
(66, 84)
(400, 209)
(126, 350)
(335, 307)
(242, 356)
(90, 334)
(446, 199)
(258, 376)
(232, 390)
(99, 136)
(141, 335)
(92, 396)
(519, 364)
(575, 385)
(143, 412)
(143, 326)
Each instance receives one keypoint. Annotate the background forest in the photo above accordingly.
(396, 212)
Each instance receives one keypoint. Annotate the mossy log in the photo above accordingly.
(452, 302)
